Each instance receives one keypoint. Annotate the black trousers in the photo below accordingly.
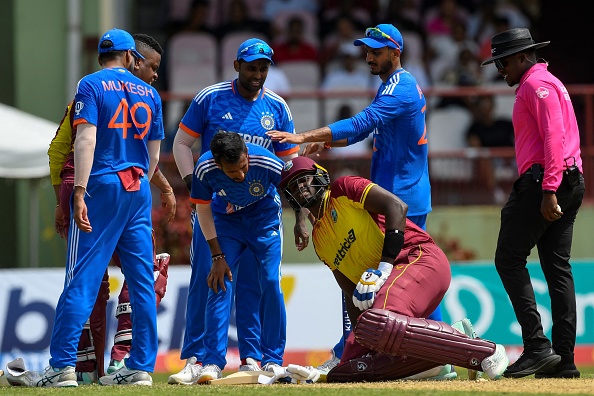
(522, 228)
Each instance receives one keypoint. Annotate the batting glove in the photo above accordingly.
(369, 284)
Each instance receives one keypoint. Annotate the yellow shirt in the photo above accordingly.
(60, 147)
(348, 238)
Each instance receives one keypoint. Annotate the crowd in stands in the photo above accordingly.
(444, 40)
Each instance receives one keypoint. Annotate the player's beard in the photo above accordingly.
(246, 84)
(384, 68)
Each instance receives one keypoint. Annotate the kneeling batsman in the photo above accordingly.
(390, 269)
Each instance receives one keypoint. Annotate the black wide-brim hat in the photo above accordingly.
(511, 42)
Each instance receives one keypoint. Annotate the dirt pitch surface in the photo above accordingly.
(528, 385)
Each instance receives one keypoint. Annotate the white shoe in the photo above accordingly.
(210, 372)
(270, 366)
(465, 326)
(126, 376)
(496, 364)
(86, 378)
(58, 378)
(328, 365)
(188, 375)
(17, 374)
(439, 373)
(251, 365)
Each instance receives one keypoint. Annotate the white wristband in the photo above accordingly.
(385, 267)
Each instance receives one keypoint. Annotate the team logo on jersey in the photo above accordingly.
(288, 165)
(78, 107)
(542, 92)
(256, 188)
(334, 215)
(267, 121)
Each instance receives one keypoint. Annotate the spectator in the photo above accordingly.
(295, 47)
(239, 20)
(344, 33)
(198, 19)
(488, 131)
(347, 76)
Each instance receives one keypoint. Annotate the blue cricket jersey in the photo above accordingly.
(130, 114)
(397, 119)
(220, 107)
(259, 185)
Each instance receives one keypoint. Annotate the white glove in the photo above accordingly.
(369, 284)
(297, 374)
(303, 375)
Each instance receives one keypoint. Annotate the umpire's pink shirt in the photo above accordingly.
(546, 131)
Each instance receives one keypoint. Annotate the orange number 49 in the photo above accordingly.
(126, 111)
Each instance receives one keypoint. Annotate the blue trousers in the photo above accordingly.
(247, 292)
(261, 232)
(122, 223)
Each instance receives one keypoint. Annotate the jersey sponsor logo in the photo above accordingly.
(542, 92)
(256, 188)
(227, 116)
(267, 121)
(334, 215)
(78, 107)
(259, 140)
(127, 86)
(344, 247)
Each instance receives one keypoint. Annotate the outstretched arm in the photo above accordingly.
(323, 134)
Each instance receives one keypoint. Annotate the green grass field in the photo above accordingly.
(460, 386)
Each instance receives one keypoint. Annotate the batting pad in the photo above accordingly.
(395, 334)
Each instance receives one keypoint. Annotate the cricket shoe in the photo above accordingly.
(17, 374)
(114, 365)
(250, 365)
(210, 372)
(496, 364)
(189, 375)
(328, 365)
(440, 373)
(58, 378)
(465, 326)
(126, 376)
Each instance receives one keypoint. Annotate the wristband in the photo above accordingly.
(216, 257)
(189, 185)
(167, 193)
(549, 192)
(385, 267)
(393, 241)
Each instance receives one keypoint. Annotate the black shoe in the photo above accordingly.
(562, 370)
(532, 361)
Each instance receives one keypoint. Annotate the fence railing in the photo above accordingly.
(464, 176)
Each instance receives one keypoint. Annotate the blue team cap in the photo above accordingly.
(253, 49)
(383, 35)
(120, 40)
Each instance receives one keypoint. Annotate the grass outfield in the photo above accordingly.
(460, 386)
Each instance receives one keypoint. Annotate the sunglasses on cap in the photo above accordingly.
(376, 33)
(255, 49)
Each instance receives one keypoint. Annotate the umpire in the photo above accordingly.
(542, 206)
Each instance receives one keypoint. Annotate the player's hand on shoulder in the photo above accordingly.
(285, 137)
(369, 284)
